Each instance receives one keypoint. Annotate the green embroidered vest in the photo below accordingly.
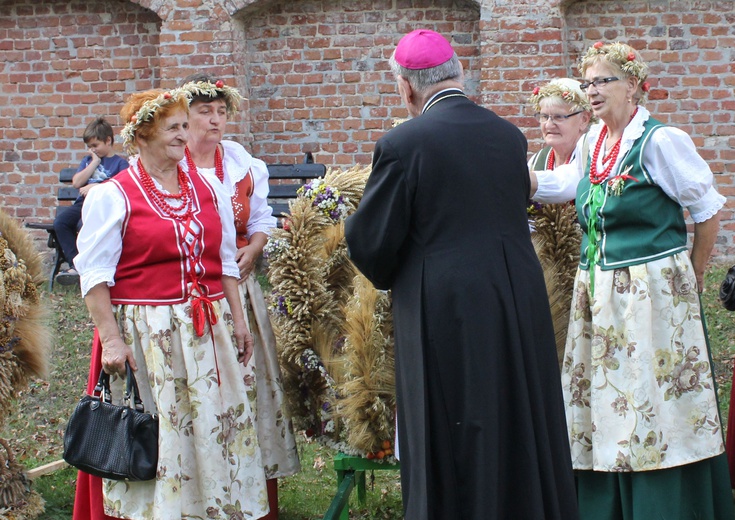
(539, 160)
(640, 223)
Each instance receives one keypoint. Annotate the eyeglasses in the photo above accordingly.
(599, 82)
(556, 118)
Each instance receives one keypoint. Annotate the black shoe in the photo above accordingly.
(68, 277)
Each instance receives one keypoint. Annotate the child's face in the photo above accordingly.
(100, 148)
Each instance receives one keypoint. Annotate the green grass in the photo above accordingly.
(36, 432)
(36, 428)
(721, 328)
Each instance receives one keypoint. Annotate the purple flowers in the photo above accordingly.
(328, 199)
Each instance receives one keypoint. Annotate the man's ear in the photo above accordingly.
(404, 88)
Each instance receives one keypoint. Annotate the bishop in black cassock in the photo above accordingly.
(443, 224)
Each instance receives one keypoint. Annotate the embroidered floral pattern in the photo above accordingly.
(579, 387)
(620, 406)
(688, 375)
(680, 286)
(621, 280)
(184, 376)
(581, 309)
(643, 325)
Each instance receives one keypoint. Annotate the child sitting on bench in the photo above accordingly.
(98, 166)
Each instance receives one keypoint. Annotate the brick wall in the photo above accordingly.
(316, 73)
(319, 75)
(61, 65)
(690, 49)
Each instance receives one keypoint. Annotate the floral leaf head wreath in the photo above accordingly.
(621, 56)
(216, 90)
(146, 112)
(565, 89)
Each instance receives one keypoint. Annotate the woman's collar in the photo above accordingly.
(236, 161)
(631, 133)
(634, 129)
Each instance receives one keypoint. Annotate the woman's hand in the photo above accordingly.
(705, 235)
(243, 338)
(84, 190)
(246, 258)
(244, 341)
(115, 352)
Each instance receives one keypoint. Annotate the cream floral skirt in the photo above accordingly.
(263, 379)
(209, 463)
(636, 376)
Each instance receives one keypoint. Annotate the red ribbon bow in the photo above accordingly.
(202, 312)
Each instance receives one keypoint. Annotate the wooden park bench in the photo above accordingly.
(66, 195)
(286, 179)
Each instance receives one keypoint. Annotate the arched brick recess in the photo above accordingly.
(62, 64)
(690, 48)
(522, 47)
(318, 72)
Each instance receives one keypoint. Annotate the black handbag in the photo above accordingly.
(112, 441)
(727, 290)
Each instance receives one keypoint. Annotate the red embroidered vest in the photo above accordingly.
(241, 207)
(160, 257)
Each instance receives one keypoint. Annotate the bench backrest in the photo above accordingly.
(67, 192)
(286, 179)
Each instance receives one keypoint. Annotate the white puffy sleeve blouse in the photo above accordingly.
(670, 158)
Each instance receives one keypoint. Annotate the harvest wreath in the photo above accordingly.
(24, 344)
(334, 330)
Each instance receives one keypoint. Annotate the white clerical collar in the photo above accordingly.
(430, 102)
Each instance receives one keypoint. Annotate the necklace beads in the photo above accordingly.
(219, 169)
(598, 177)
(160, 198)
(551, 160)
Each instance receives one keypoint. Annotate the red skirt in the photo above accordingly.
(730, 441)
(88, 497)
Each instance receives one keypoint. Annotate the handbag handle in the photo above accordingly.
(131, 387)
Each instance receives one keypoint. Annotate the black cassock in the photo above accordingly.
(443, 224)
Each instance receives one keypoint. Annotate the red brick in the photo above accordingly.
(327, 67)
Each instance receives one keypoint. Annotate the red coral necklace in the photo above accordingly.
(184, 210)
(219, 169)
(552, 159)
(610, 158)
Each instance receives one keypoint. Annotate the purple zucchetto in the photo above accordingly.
(423, 49)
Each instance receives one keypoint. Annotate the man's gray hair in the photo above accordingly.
(422, 79)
